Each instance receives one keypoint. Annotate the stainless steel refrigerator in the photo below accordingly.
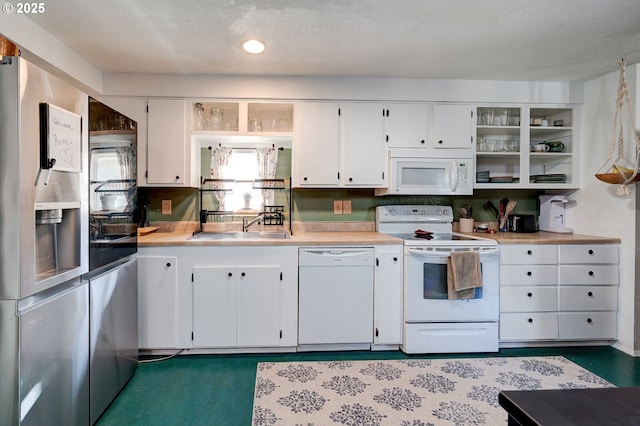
(44, 312)
(113, 265)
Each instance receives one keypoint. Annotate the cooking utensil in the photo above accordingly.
(508, 210)
(491, 207)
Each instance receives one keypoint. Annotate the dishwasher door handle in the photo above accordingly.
(338, 253)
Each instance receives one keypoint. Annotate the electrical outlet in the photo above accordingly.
(337, 207)
(166, 206)
(346, 206)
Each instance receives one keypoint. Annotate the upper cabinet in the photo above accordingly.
(527, 147)
(339, 145)
(364, 159)
(316, 147)
(453, 126)
(170, 154)
(241, 118)
(422, 125)
(406, 125)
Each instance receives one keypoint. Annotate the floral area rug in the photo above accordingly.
(411, 392)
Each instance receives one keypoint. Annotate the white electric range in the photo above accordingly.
(432, 322)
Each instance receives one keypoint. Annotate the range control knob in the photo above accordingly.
(392, 212)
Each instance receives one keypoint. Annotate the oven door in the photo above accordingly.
(426, 288)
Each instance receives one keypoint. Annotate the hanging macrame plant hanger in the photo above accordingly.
(618, 170)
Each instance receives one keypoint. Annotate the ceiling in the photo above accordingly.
(542, 40)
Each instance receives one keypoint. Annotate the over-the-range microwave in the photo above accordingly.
(415, 172)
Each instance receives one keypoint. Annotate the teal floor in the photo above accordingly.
(218, 389)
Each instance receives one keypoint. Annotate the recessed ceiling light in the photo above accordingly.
(253, 46)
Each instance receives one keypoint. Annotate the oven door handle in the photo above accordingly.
(425, 253)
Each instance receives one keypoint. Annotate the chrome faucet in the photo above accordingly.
(246, 224)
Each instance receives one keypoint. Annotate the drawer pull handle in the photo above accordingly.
(395, 259)
(591, 252)
(529, 252)
(529, 273)
(177, 177)
(230, 274)
(530, 319)
(422, 141)
(590, 294)
(243, 274)
(589, 320)
(168, 265)
(529, 294)
(590, 273)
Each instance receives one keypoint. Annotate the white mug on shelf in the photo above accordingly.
(540, 148)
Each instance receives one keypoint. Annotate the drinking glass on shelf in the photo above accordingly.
(488, 118)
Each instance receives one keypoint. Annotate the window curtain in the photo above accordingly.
(267, 165)
(127, 161)
(219, 159)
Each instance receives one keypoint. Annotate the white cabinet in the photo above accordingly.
(506, 137)
(453, 126)
(588, 291)
(317, 145)
(387, 309)
(528, 292)
(236, 306)
(565, 292)
(407, 125)
(171, 158)
(339, 145)
(362, 138)
(157, 296)
(219, 118)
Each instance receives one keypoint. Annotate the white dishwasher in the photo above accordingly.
(335, 305)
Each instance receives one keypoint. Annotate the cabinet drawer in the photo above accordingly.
(528, 275)
(588, 298)
(528, 254)
(528, 299)
(590, 325)
(588, 253)
(529, 326)
(588, 274)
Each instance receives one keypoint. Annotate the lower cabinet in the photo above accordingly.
(218, 297)
(388, 285)
(157, 296)
(236, 306)
(558, 292)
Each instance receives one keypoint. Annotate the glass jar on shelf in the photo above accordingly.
(199, 111)
(215, 121)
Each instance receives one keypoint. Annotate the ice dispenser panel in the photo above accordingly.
(57, 243)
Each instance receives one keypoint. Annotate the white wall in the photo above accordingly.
(342, 88)
(40, 47)
(599, 211)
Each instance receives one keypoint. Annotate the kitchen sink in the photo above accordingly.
(239, 235)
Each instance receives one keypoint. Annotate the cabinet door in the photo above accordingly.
(364, 162)
(387, 311)
(406, 125)
(166, 142)
(258, 314)
(214, 307)
(317, 145)
(157, 295)
(453, 126)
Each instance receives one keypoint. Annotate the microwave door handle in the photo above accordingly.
(453, 176)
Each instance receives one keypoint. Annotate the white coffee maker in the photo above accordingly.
(553, 216)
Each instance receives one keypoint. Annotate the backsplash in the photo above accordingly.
(316, 205)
